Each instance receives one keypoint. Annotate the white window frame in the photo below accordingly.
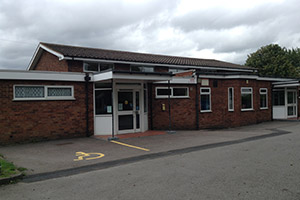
(98, 64)
(247, 109)
(231, 109)
(171, 95)
(263, 93)
(206, 93)
(46, 97)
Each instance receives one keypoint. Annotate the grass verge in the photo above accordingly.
(7, 168)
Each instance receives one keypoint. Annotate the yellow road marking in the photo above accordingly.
(81, 155)
(128, 145)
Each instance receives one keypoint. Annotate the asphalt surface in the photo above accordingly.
(260, 168)
(59, 155)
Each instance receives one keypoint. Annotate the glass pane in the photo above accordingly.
(137, 100)
(291, 110)
(136, 68)
(137, 121)
(204, 91)
(148, 69)
(59, 92)
(103, 102)
(230, 99)
(125, 101)
(246, 90)
(291, 97)
(91, 67)
(125, 122)
(263, 100)
(278, 98)
(180, 92)
(105, 66)
(246, 101)
(163, 92)
(205, 102)
(29, 91)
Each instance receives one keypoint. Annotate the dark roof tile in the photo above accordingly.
(85, 52)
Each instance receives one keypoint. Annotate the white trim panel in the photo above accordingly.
(43, 76)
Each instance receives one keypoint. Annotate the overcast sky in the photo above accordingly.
(217, 29)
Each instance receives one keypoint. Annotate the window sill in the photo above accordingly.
(43, 99)
(243, 110)
(230, 110)
(205, 111)
(173, 97)
(264, 108)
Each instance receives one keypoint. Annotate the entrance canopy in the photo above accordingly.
(135, 76)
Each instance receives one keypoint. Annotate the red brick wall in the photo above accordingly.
(161, 69)
(125, 67)
(25, 121)
(75, 66)
(50, 62)
(220, 116)
(183, 110)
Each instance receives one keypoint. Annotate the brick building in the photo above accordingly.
(72, 91)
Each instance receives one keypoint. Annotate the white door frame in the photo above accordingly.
(134, 88)
(294, 104)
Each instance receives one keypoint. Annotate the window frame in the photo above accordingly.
(171, 95)
(263, 93)
(251, 93)
(231, 109)
(98, 66)
(105, 114)
(206, 93)
(46, 97)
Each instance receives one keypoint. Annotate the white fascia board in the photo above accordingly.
(141, 77)
(244, 77)
(158, 64)
(287, 85)
(180, 80)
(285, 82)
(43, 76)
(102, 76)
(59, 55)
(38, 53)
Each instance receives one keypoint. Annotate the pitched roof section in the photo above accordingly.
(103, 54)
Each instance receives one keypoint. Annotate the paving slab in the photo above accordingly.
(58, 155)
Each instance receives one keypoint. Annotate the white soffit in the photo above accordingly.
(180, 80)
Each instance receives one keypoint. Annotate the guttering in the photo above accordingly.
(286, 82)
(286, 85)
(244, 77)
(159, 64)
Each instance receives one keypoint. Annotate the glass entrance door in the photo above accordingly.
(128, 111)
(291, 103)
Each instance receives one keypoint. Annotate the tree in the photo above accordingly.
(272, 60)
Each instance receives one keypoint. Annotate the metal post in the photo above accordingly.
(169, 102)
(113, 113)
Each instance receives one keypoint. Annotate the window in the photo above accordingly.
(32, 92)
(205, 99)
(103, 101)
(141, 68)
(96, 67)
(175, 92)
(247, 98)
(263, 98)
(230, 99)
(176, 70)
(278, 98)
